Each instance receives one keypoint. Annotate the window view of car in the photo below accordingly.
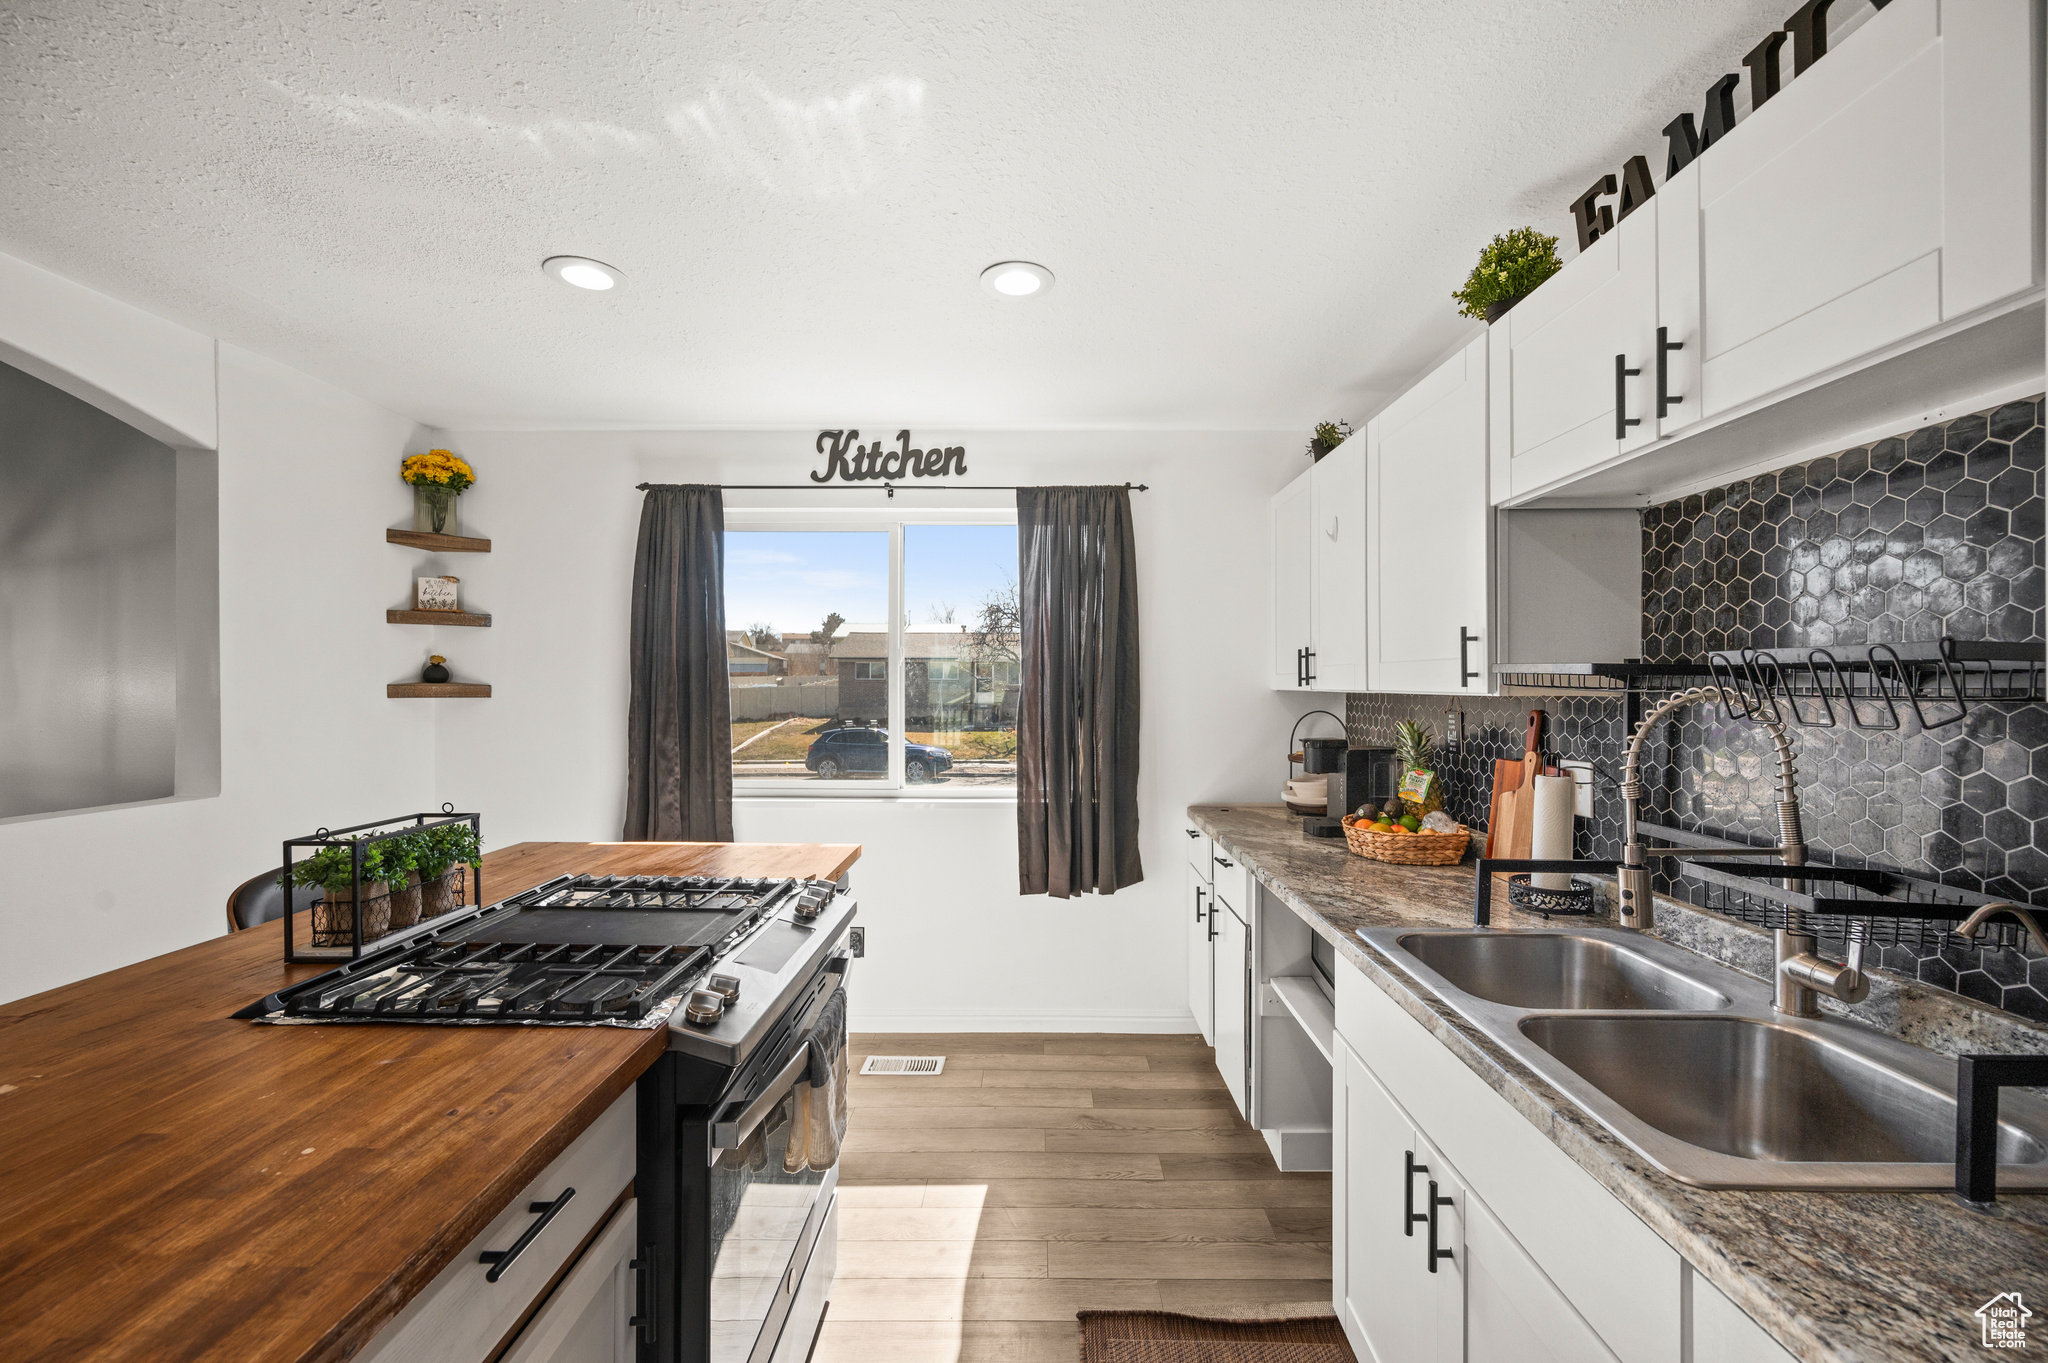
(857, 751)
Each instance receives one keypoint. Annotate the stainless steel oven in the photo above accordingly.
(736, 1203)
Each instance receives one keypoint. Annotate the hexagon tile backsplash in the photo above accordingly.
(1939, 531)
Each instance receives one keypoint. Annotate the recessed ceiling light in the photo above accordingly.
(1016, 279)
(584, 274)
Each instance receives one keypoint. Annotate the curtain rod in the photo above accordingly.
(891, 488)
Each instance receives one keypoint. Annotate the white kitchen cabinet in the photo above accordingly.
(1563, 359)
(1319, 575)
(1337, 486)
(1232, 992)
(1890, 188)
(588, 1317)
(1292, 516)
(1430, 552)
(1197, 907)
(463, 1315)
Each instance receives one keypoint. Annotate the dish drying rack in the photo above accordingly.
(1865, 686)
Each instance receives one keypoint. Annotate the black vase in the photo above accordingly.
(434, 672)
(1499, 307)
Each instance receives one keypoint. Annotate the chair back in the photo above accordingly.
(260, 899)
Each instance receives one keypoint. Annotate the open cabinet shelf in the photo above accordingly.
(392, 617)
(438, 691)
(442, 544)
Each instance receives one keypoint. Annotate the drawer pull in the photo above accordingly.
(544, 1212)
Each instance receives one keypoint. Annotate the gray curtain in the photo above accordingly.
(679, 729)
(1077, 728)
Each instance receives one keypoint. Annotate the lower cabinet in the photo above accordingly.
(1233, 995)
(476, 1302)
(1461, 1233)
(1198, 921)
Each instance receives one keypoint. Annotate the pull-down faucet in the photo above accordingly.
(1801, 972)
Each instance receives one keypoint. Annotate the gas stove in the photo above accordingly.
(579, 950)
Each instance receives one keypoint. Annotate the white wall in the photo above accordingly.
(308, 481)
(951, 943)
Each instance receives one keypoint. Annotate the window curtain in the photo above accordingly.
(1077, 727)
(679, 728)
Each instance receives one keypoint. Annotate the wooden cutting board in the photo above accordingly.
(1511, 788)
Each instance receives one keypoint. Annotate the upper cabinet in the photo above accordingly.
(1319, 575)
(1430, 555)
(1863, 248)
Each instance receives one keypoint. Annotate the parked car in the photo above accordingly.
(838, 752)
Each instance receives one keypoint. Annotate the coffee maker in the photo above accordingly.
(1356, 775)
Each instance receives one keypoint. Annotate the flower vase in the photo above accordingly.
(433, 508)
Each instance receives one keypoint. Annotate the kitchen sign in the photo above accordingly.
(1685, 139)
(879, 461)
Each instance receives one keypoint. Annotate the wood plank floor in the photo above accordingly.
(1041, 1174)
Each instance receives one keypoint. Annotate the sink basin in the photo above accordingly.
(1686, 1063)
(1762, 1091)
(1527, 970)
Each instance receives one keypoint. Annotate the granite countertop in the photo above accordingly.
(1846, 1277)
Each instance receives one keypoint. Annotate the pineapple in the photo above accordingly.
(1414, 752)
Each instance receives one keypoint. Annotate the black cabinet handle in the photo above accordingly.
(1409, 1169)
(1622, 421)
(1224, 861)
(1198, 903)
(1194, 832)
(642, 1319)
(1301, 667)
(1466, 638)
(544, 1212)
(1434, 1203)
(1666, 399)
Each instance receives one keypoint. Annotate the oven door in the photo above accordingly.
(765, 1214)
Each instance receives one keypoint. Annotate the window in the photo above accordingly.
(869, 651)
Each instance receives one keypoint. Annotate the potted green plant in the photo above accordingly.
(438, 478)
(1509, 268)
(440, 852)
(332, 870)
(1328, 436)
(401, 861)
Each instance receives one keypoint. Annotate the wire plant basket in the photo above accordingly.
(338, 933)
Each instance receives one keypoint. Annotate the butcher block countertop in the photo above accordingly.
(178, 1185)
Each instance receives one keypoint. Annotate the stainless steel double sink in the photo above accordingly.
(1687, 1064)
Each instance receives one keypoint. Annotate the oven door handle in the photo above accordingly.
(730, 1134)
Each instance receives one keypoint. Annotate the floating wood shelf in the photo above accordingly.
(437, 618)
(443, 544)
(438, 691)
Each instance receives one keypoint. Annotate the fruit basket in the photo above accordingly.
(1406, 849)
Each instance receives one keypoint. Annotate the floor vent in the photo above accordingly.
(904, 1064)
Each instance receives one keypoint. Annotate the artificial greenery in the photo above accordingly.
(430, 852)
(1512, 264)
(1329, 435)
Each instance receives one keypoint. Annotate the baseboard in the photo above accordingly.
(867, 1019)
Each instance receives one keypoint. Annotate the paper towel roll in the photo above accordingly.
(1550, 834)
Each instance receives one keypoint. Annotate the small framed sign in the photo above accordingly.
(435, 594)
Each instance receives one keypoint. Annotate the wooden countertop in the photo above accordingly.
(178, 1185)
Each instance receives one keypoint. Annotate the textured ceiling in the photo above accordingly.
(1256, 212)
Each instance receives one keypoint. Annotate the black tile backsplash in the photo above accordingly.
(1935, 532)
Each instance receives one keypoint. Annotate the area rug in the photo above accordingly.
(1166, 1337)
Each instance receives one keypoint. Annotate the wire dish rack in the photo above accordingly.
(1885, 907)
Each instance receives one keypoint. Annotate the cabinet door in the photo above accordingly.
(1381, 1289)
(1337, 483)
(1566, 348)
(1199, 904)
(1294, 560)
(586, 1319)
(1513, 1312)
(1887, 189)
(1233, 995)
(1429, 584)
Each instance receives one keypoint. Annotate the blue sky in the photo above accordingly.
(791, 579)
